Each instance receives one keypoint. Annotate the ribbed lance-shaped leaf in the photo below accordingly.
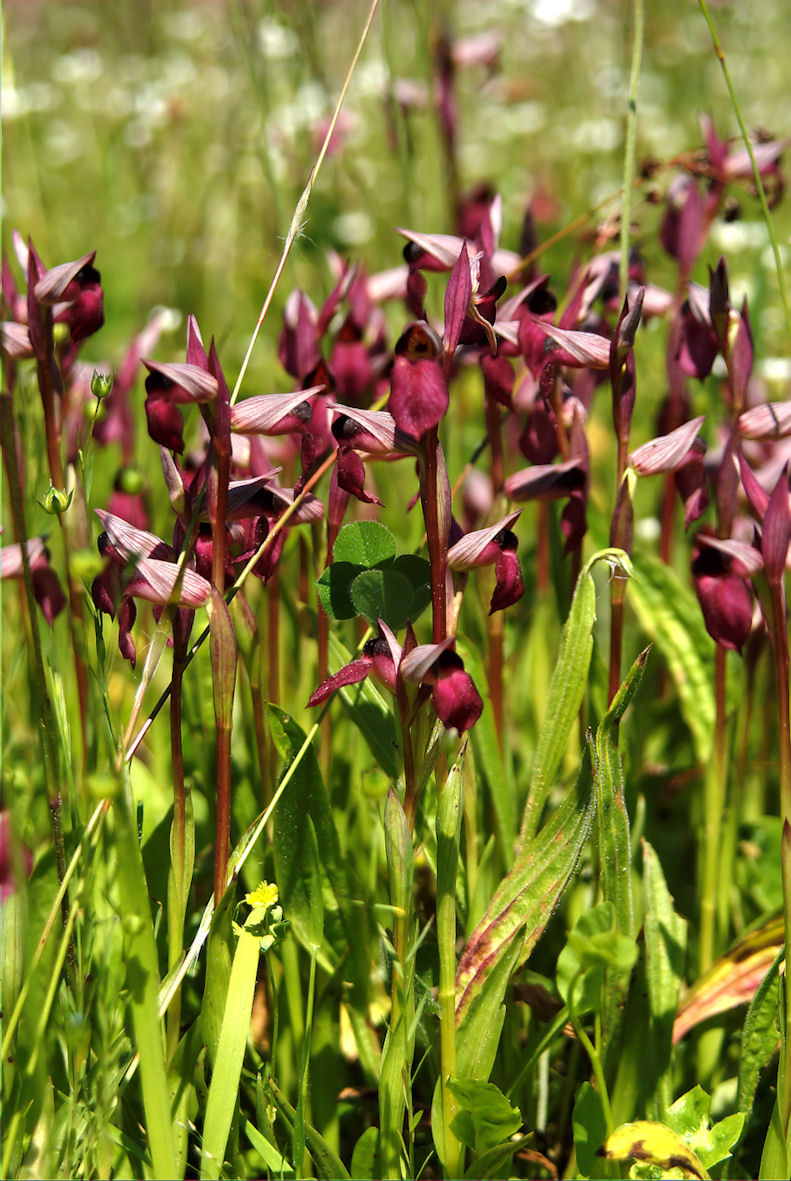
(566, 689)
(224, 1088)
(670, 615)
(761, 1034)
(613, 821)
(295, 847)
(527, 896)
(222, 646)
(665, 943)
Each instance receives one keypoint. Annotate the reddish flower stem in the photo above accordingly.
(437, 547)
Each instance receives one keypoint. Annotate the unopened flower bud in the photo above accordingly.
(101, 385)
(55, 502)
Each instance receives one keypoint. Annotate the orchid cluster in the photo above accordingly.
(244, 477)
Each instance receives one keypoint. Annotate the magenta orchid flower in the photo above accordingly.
(47, 590)
(456, 700)
(495, 545)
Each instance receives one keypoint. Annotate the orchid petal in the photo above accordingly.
(52, 286)
(156, 581)
(666, 452)
(467, 553)
(189, 382)
(350, 674)
(266, 414)
(769, 421)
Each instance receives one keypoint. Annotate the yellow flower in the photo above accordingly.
(264, 896)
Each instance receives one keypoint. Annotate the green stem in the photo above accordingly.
(713, 806)
(593, 1055)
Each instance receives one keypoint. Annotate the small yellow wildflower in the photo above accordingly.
(264, 896)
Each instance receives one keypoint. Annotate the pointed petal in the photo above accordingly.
(156, 581)
(665, 453)
(458, 294)
(552, 481)
(189, 382)
(445, 248)
(776, 533)
(11, 557)
(769, 421)
(584, 349)
(416, 664)
(130, 542)
(372, 431)
(273, 414)
(468, 552)
(350, 674)
(50, 288)
(745, 556)
(15, 340)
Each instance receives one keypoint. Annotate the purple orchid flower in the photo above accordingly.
(456, 700)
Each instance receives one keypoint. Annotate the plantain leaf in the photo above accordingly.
(665, 944)
(761, 1034)
(566, 689)
(526, 897)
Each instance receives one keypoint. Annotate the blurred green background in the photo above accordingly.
(175, 137)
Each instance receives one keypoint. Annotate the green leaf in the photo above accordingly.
(528, 894)
(218, 975)
(327, 1162)
(592, 947)
(365, 1157)
(335, 590)
(670, 615)
(495, 1161)
(615, 858)
(364, 543)
(566, 690)
(665, 944)
(418, 573)
(296, 852)
(310, 808)
(224, 1088)
(761, 1033)
(689, 1116)
(478, 1032)
(142, 980)
(590, 1130)
(383, 594)
(272, 1157)
(485, 1118)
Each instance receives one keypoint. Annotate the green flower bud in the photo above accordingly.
(101, 384)
(130, 481)
(55, 502)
